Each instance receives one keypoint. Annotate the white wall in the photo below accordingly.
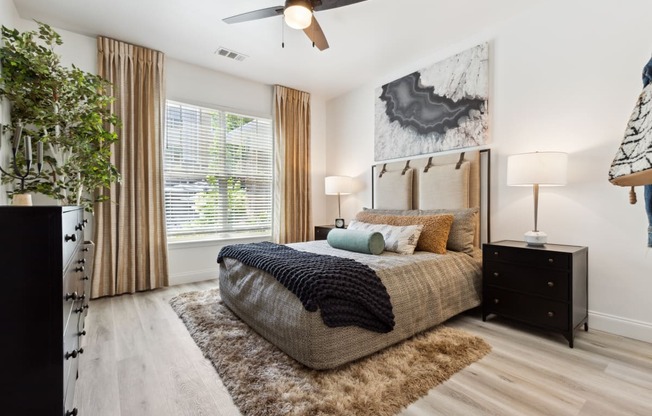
(565, 77)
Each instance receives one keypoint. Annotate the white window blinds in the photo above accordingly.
(218, 174)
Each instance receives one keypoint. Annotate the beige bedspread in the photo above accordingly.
(425, 290)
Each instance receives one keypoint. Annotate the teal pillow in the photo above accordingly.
(360, 241)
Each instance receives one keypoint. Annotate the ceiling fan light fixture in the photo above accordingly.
(298, 14)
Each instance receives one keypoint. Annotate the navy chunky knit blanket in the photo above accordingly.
(346, 292)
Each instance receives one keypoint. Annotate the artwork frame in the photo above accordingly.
(441, 107)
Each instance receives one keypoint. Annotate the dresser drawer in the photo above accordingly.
(72, 225)
(549, 283)
(71, 350)
(541, 312)
(534, 258)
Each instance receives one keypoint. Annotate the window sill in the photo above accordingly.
(181, 245)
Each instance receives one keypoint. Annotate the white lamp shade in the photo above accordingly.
(539, 168)
(342, 185)
(298, 16)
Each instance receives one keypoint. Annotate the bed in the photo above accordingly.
(425, 288)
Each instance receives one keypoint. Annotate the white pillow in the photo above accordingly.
(399, 239)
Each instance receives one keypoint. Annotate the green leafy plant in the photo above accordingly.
(66, 109)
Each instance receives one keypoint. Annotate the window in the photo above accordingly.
(218, 174)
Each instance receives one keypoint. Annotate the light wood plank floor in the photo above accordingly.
(140, 360)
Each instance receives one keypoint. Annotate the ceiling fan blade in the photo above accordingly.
(255, 15)
(316, 35)
(333, 4)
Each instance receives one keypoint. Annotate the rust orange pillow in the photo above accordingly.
(434, 235)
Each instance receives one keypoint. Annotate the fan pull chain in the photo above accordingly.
(282, 34)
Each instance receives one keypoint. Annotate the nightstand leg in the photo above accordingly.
(586, 326)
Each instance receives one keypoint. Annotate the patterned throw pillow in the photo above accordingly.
(402, 239)
(436, 228)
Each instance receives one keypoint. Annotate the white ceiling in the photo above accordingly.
(367, 39)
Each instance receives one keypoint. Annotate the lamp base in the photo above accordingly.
(535, 238)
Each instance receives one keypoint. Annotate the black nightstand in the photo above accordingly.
(542, 286)
(321, 231)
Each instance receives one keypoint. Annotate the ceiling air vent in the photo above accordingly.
(227, 53)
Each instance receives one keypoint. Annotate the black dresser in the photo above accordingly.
(542, 286)
(46, 288)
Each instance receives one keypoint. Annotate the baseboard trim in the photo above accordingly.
(193, 276)
(618, 325)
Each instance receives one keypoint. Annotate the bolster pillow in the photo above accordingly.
(360, 241)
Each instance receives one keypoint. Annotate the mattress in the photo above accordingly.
(425, 290)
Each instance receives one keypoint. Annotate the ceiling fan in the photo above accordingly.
(298, 14)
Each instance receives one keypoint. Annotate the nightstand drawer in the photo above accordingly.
(534, 258)
(532, 310)
(321, 231)
(549, 283)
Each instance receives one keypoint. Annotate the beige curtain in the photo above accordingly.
(292, 218)
(131, 243)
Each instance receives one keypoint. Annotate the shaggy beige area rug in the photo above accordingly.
(263, 380)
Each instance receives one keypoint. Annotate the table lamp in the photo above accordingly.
(338, 185)
(537, 169)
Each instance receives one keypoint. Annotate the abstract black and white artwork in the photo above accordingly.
(438, 108)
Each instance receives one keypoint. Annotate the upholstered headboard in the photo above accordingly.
(451, 181)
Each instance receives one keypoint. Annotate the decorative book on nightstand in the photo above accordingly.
(546, 287)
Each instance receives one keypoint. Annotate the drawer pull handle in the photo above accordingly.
(496, 301)
(81, 309)
(70, 237)
(81, 261)
(72, 412)
(71, 296)
(84, 278)
(79, 269)
(73, 353)
(85, 250)
(79, 226)
(551, 260)
(496, 274)
(551, 314)
(551, 284)
(495, 253)
(82, 333)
